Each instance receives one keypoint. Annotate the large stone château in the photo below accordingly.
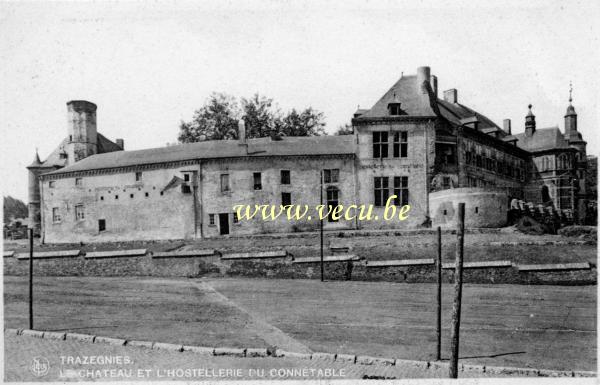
(428, 150)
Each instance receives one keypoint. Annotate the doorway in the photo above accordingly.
(224, 224)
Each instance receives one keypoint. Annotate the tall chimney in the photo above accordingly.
(451, 96)
(242, 131)
(423, 75)
(120, 143)
(506, 124)
(434, 85)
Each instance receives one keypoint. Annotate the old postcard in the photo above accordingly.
(320, 192)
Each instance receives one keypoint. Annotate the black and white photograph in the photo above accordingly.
(387, 191)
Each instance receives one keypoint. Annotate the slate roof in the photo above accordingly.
(542, 139)
(405, 91)
(454, 112)
(54, 160)
(215, 149)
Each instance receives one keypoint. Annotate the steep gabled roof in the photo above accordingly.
(542, 139)
(215, 149)
(454, 112)
(406, 92)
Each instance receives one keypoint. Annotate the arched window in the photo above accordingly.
(333, 194)
(562, 161)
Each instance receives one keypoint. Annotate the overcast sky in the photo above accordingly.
(148, 66)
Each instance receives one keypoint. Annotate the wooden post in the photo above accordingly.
(322, 266)
(31, 278)
(438, 325)
(455, 331)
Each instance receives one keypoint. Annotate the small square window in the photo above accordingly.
(101, 198)
(235, 218)
(224, 183)
(51, 184)
(186, 189)
(162, 193)
(116, 197)
(331, 176)
(56, 217)
(147, 195)
(257, 181)
(78, 181)
(186, 177)
(131, 196)
(79, 213)
(138, 176)
(285, 177)
(286, 198)
(211, 219)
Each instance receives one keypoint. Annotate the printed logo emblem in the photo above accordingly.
(40, 366)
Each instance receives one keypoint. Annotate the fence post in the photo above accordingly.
(438, 325)
(31, 278)
(455, 331)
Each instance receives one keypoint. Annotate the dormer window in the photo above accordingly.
(394, 109)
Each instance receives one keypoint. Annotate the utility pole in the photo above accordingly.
(455, 331)
(322, 267)
(438, 324)
(31, 278)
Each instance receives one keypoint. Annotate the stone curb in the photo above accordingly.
(80, 337)
(283, 353)
(55, 335)
(263, 352)
(167, 346)
(32, 333)
(141, 344)
(323, 356)
(110, 341)
(199, 350)
(235, 352)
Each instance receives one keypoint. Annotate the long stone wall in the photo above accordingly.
(284, 265)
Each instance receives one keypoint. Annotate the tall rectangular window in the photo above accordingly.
(331, 176)
(401, 190)
(235, 218)
(79, 212)
(400, 144)
(285, 177)
(78, 182)
(138, 176)
(56, 215)
(211, 219)
(257, 181)
(380, 144)
(286, 198)
(224, 183)
(382, 191)
(101, 224)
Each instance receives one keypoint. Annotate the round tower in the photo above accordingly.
(83, 136)
(35, 169)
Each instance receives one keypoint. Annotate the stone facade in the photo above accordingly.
(424, 150)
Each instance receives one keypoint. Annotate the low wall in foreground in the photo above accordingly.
(282, 265)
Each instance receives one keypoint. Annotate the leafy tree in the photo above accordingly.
(218, 119)
(14, 208)
(302, 123)
(259, 116)
(346, 129)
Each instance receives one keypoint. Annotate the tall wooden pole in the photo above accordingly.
(438, 324)
(322, 265)
(31, 278)
(455, 331)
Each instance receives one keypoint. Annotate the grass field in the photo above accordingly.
(527, 326)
